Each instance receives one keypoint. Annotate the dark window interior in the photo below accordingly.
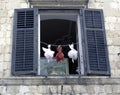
(59, 32)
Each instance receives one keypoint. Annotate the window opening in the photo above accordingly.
(58, 29)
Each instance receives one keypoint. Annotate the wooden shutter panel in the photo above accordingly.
(95, 43)
(24, 51)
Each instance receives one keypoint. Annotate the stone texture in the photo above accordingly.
(116, 88)
(74, 3)
(79, 89)
(6, 23)
(47, 86)
(108, 89)
(6, 27)
(27, 90)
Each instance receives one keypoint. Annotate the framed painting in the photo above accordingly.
(54, 67)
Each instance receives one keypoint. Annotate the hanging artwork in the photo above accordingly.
(48, 53)
(59, 56)
(72, 53)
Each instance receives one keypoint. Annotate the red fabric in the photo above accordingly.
(59, 55)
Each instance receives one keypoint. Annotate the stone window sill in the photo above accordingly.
(59, 81)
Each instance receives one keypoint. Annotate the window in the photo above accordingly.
(35, 28)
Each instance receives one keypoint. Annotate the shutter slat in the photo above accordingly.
(25, 46)
(97, 56)
(25, 19)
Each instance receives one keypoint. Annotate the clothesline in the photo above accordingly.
(57, 45)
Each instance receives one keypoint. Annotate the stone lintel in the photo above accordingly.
(55, 3)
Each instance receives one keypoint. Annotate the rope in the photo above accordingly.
(57, 45)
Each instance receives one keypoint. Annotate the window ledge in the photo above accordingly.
(59, 81)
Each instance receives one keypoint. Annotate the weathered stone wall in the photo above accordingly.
(60, 86)
(6, 26)
(112, 25)
(25, 87)
(60, 90)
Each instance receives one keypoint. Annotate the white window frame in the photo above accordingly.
(64, 15)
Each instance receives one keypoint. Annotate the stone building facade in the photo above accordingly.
(39, 85)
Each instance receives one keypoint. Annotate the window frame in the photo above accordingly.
(82, 41)
(78, 36)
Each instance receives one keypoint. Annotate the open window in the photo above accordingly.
(36, 28)
(58, 28)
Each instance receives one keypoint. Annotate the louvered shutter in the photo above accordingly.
(95, 42)
(24, 51)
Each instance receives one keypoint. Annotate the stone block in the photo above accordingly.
(90, 89)
(14, 5)
(1, 34)
(8, 41)
(9, 27)
(117, 26)
(115, 73)
(79, 89)
(108, 88)
(116, 88)
(114, 5)
(13, 90)
(113, 94)
(67, 89)
(100, 1)
(2, 6)
(107, 27)
(24, 5)
(99, 89)
(1, 87)
(116, 41)
(8, 34)
(91, 1)
(1, 66)
(84, 94)
(53, 89)
(118, 72)
(7, 57)
(43, 89)
(9, 21)
(29, 93)
(1, 58)
(0, 49)
(24, 89)
(109, 41)
(3, 27)
(38, 94)
(118, 64)
(114, 49)
(3, 20)
(111, 19)
(3, 13)
(33, 89)
(111, 26)
(11, 13)
(6, 73)
(118, 19)
(7, 49)
(115, 12)
(6, 65)
(113, 65)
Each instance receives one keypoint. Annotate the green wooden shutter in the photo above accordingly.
(24, 51)
(97, 62)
